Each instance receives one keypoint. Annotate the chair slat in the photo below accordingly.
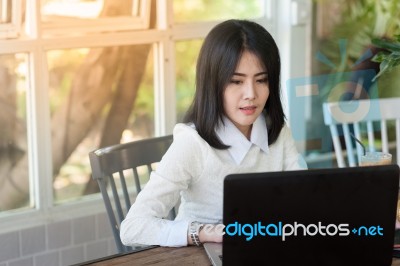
(371, 137)
(357, 133)
(107, 203)
(384, 136)
(125, 190)
(116, 199)
(137, 182)
(149, 169)
(337, 146)
(349, 145)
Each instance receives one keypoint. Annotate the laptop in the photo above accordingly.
(338, 216)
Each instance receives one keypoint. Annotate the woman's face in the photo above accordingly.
(246, 93)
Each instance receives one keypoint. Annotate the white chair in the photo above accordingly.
(357, 113)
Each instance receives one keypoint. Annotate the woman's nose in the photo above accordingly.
(249, 91)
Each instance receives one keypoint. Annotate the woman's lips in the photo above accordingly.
(248, 110)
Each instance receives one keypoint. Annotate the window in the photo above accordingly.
(14, 148)
(341, 62)
(90, 73)
(96, 75)
(77, 17)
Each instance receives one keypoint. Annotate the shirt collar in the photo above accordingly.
(230, 135)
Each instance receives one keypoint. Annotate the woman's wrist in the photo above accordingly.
(194, 232)
(211, 233)
(205, 233)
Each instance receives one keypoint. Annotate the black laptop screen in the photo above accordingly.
(341, 216)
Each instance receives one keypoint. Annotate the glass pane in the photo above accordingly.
(202, 10)
(14, 174)
(89, 9)
(98, 97)
(341, 63)
(186, 57)
(5, 11)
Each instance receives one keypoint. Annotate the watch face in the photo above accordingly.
(195, 226)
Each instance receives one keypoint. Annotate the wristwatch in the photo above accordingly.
(194, 230)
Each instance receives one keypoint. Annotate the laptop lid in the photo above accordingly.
(341, 216)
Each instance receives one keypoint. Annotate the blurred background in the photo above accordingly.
(81, 74)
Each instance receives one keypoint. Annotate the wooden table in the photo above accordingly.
(157, 256)
(164, 256)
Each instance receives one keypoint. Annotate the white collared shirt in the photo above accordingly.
(230, 135)
(193, 172)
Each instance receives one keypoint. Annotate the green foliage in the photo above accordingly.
(359, 22)
(390, 58)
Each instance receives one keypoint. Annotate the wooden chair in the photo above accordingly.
(352, 115)
(109, 165)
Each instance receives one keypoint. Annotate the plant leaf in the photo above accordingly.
(383, 67)
(388, 45)
(380, 56)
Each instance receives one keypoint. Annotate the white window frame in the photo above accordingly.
(293, 36)
(163, 38)
(55, 25)
(12, 29)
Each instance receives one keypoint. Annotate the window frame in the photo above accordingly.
(13, 28)
(59, 26)
(163, 38)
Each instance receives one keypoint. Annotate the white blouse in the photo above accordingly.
(193, 172)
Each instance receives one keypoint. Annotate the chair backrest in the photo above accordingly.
(108, 168)
(354, 115)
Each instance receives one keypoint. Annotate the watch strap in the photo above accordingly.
(194, 230)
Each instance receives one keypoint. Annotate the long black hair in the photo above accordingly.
(217, 61)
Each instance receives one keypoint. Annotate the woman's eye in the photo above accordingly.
(237, 82)
(264, 80)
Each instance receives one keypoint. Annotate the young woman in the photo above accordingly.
(235, 124)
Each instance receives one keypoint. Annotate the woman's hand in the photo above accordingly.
(209, 233)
